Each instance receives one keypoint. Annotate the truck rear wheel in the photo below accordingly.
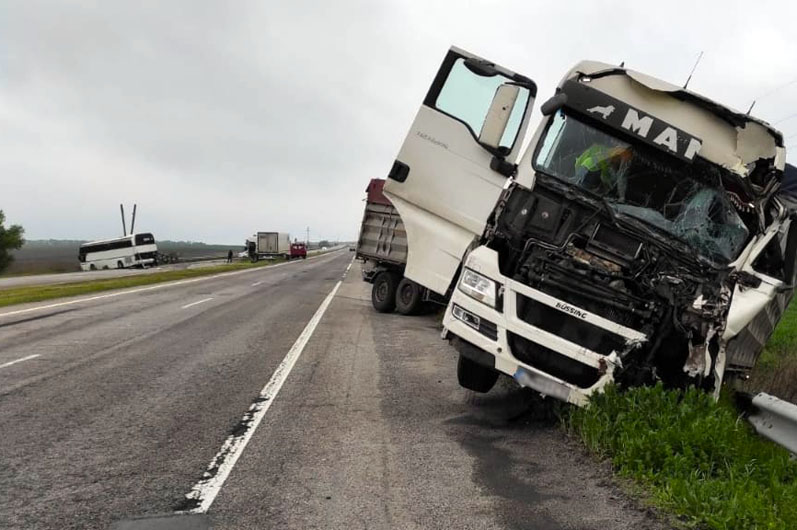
(383, 292)
(474, 376)
(409, 297)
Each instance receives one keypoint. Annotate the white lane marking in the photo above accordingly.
(28, 358)
(186, 306)
(204, 492)
(158, 286)
(256, 284)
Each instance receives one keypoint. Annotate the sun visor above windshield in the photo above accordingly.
(639, 124)
(730, 139)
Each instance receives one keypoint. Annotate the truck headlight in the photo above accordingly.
(477, 286)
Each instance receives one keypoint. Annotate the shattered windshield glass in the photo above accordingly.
(684, 200)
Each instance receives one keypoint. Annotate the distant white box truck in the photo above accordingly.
(268, 245)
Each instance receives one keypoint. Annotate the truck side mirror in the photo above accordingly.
(498, 115)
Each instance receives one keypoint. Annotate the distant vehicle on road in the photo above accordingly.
(298, 250)
(352, 248)
(268, 245)
(135, 250)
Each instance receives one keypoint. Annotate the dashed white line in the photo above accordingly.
(204, 492)
(28, 358)
(256, 284)
(186, 306)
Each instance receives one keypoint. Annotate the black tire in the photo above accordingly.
(304, 257)
(473, 376)
(383, 292)
(119, 265)
(92, 267)
(409, 297)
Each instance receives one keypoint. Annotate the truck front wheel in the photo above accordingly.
(409, 297)
(474, 376)
(383, 292)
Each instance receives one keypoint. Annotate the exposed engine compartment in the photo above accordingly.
(582, 254)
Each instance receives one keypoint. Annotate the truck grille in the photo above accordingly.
(568, 326)
(552, 363)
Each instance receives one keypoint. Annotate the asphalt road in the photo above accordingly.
(113, 409)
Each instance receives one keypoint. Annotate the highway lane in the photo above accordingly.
(82, 276)
(132, 397)
(8, 282)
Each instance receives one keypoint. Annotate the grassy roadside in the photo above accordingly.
(776, 370)
(38, 293)
(692, 457)
(696, 458)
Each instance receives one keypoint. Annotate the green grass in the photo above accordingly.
(694, 457)
(38, 293)
(776, 370)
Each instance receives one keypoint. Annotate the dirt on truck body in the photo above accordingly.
(641, 236)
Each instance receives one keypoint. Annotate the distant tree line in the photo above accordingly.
(10, 239)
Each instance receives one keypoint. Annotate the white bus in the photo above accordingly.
(135, 250)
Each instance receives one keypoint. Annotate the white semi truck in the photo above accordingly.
(639, 237)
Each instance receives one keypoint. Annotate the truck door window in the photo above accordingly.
(467, 96)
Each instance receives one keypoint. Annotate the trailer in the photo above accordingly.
(382, 247)
(268, 245)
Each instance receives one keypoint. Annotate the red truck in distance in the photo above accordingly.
(298, 250)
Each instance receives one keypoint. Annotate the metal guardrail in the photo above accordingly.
(772, 418)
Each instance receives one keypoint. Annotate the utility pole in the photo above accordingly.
(307, 241)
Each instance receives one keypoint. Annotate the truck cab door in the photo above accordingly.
(455, 161)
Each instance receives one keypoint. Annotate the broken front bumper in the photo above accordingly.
(536, 357)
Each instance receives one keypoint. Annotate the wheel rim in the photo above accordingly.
(406, 294)
(381, 291)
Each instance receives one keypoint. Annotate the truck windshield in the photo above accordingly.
(685, 200)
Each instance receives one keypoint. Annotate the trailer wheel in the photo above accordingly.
(409, 297)
(383, 292)
(119, 265)
(92, 267)
(474, 376)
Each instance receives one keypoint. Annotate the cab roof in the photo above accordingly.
(731, 138)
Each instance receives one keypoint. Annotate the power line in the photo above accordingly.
(777, 89)
(790, 116)
(769, 93)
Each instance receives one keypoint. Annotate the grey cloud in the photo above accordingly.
(221, 118)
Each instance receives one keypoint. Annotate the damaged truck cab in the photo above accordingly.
(639, 238)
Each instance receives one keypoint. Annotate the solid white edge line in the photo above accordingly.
(204, 492)
(186, 306)
(159, 286)
(28, 358)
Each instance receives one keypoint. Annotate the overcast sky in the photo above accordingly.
(223, 118)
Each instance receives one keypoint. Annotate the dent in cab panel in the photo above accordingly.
(455, 160)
